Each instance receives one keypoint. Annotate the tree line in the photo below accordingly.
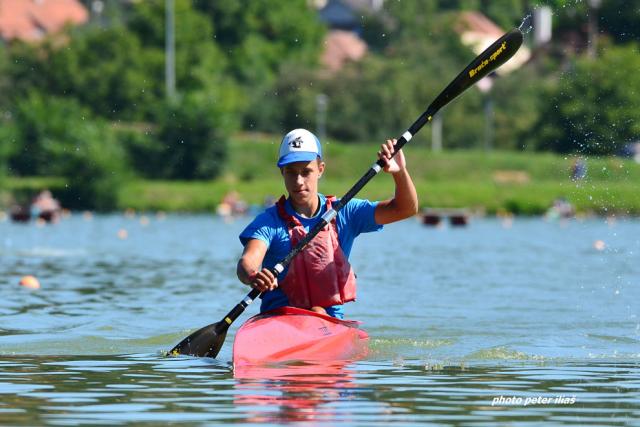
(90, 104)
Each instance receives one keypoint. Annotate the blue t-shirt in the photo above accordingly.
(356, 217)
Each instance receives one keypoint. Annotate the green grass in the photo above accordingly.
(22, 190)
(469, 179)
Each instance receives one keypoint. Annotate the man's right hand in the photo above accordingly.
(249, 264)
(263, 280)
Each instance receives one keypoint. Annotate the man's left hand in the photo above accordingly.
(394, 164)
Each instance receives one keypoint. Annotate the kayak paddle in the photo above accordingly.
(207, 341)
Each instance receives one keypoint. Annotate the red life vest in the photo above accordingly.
(320, 275)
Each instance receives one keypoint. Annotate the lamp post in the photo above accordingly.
(436, 132)
(485, 86)
(97, 7)
(170, 50)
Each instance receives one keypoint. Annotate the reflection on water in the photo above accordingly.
(149, 388)
(459, 319)
(302, 392)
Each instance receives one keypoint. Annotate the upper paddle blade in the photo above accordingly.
(205, 342)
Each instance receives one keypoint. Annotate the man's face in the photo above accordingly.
(301, 180)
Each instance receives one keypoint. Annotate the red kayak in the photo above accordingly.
(289, 333)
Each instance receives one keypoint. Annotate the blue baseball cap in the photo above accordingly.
(299, 145)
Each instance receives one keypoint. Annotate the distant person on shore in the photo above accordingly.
(560, 209)
(232, 205)
(319, 278)
(579, 169)
(45, 207)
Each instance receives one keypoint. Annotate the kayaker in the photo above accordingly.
(320, 277)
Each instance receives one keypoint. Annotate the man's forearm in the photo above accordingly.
(245, 270)
(406, 197)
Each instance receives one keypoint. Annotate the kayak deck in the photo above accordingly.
(289, 333)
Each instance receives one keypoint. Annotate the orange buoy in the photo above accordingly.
(30, 282)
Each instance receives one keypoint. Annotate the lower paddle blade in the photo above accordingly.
(205, 342)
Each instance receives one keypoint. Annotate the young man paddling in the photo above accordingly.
(319, 278)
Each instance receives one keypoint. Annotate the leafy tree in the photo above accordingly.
(410, 20)
(616, 19)
(116, 82)
(5, 82)
(290, 103)
(518, 99)
(382, 94)
(58, 137)
(594, 106)
(22, 68)
(6, 131)
(119, 71)
(198, 57)
(373, 99)
(260, 39)
(41, 127)
(193, 134)
(8, 138)
(620, 18)
(261, 36)
(505, 13)
(95, 168)
(94, 68)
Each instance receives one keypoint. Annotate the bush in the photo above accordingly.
(58, 137)
(95, 170)
(8, 137)
(106, 69)
(142, 149)
(593, 108)
(192, 135)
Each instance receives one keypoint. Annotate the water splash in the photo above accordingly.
(528, 22)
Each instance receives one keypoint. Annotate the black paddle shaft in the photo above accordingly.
(494, 56)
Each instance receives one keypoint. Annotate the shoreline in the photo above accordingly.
(521, 183)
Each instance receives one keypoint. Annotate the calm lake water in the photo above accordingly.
(490, 324)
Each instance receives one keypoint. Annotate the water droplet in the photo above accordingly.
(528, 22)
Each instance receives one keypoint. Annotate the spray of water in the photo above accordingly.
(526, 25)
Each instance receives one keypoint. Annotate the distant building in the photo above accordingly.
(345, 14)
(479, 32)
(339, 16)
(343, 17)
(340, 47)
(32, 20)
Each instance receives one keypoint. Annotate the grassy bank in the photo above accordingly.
(522, 183)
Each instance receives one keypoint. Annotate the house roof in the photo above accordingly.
(31, 20)
(336, 14)
(476, 22)
(346, 14)
(341, 46)
(479, 32)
